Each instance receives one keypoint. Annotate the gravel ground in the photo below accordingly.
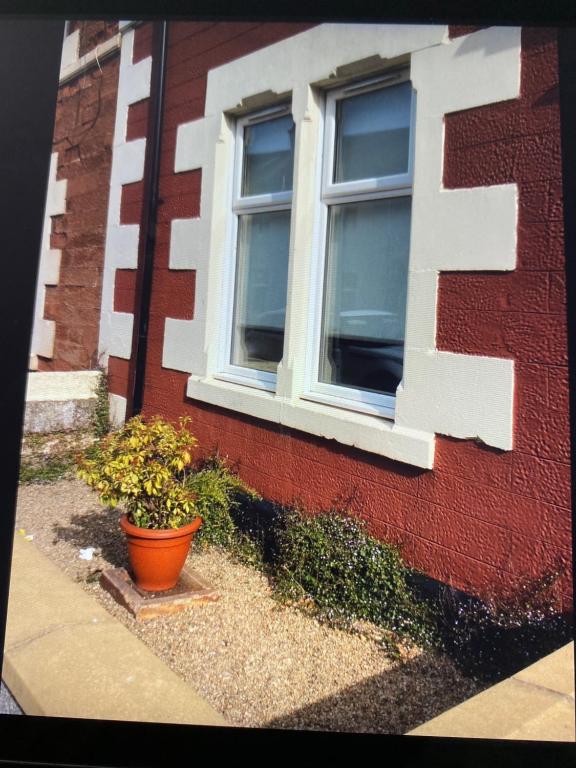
(256, 662)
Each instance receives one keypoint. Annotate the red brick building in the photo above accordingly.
(357, 269)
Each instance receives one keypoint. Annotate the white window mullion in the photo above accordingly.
(308, 109)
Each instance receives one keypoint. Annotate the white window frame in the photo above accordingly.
(242, 205)
(332, 193)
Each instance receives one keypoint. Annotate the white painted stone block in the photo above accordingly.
(194, 142)
(469, 72)
(136, 85)
(465, 229)
(189, 244)
(235, 397)
(466, 396)
(70, 50)
(123, 245)
(183, 348)
(46, 334)
(50, 268)
(121, 334)
(128, 162)
(421, 309)
(61, 385)
(56, 202)
(117, 405)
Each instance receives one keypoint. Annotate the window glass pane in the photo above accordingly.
(362, 341)
(268, 157)
(260, 290)
(373, 132)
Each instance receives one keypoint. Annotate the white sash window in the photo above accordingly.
(362, 274)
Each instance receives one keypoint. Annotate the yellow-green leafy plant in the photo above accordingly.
(142, 466)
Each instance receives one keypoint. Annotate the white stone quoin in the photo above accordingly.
(43, 330)
(121, 250)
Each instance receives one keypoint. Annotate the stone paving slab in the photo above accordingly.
(536, 703)
(66, 656)
(190, 591)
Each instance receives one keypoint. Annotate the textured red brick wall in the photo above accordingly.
(83, 133)
(482, 517)
(519, 315)
(93, 33)
(457, 30)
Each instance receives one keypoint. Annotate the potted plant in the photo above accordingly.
(142, 466)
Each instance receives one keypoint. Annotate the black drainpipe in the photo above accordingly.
(147, 242)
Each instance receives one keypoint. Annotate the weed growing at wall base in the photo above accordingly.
(326, 563)
(49, 457)
(101, 415)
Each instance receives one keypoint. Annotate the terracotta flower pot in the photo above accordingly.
(157, 556)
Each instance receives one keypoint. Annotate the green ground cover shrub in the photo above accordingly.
(219, 495)
(326, 563)
(330, 559)
(493, 639)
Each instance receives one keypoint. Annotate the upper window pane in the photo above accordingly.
(373, 134)
(268, 157)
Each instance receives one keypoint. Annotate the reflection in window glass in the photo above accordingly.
(268, 157)
(373, 134)
(362, 341)
(260, 290)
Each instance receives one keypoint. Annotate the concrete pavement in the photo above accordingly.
(66, 656)
(536, 703)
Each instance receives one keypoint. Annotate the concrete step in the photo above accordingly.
(59, 400)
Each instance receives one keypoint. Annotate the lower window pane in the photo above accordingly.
(362, 341)
(260, 290)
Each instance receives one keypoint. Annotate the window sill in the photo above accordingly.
(245, 381)
(369, 433)
(386, 412)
